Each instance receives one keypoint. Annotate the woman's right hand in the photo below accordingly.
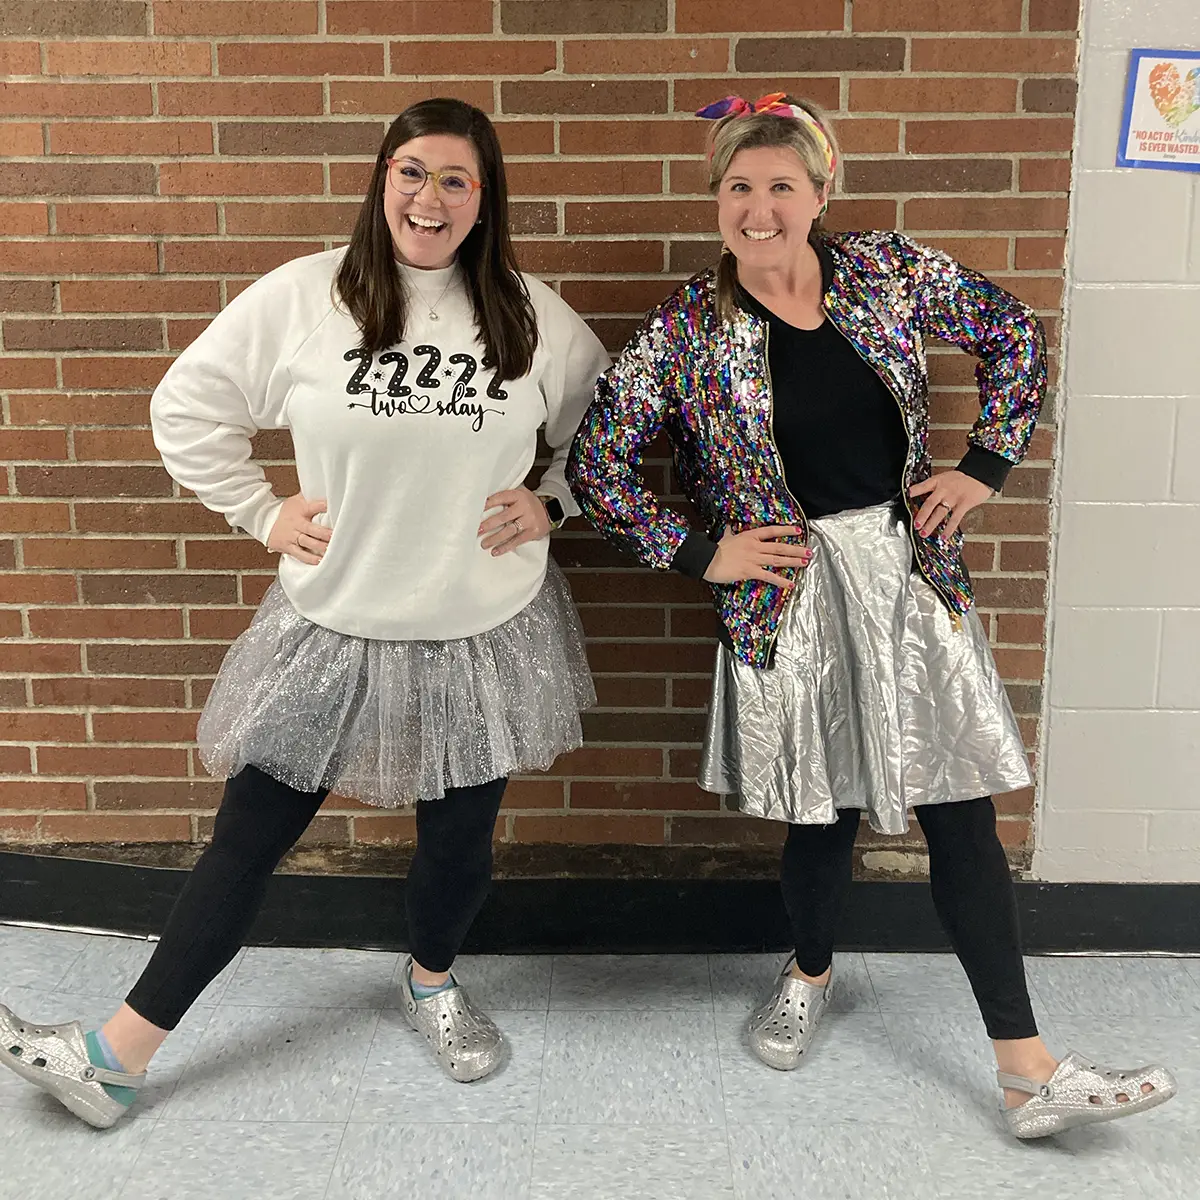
(752, 553)
(294, 533)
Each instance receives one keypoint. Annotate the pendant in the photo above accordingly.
(433, 316)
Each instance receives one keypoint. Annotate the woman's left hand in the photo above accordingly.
(948, 498)
(522, 518)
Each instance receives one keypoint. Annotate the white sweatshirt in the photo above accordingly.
(405, 445)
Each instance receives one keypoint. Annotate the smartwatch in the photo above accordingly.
(554, 510)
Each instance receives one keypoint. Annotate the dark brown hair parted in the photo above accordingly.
(369, 284)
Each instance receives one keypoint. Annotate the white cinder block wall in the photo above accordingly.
(1120, 795)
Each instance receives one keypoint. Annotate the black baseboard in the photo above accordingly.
(600, 915)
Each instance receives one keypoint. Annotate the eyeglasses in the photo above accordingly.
(453, 188)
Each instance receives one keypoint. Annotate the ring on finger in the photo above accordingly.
(517, 525)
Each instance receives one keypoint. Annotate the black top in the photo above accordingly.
(839, 430)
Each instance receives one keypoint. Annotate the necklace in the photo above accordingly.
(433, 316)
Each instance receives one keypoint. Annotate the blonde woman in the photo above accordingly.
(854, 674)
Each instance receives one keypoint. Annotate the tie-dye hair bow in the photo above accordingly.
(776, 103)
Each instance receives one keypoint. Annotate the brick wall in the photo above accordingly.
(160, 155)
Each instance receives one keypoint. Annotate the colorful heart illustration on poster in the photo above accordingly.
(1175, 98)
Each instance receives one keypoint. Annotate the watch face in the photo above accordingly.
(554, 510)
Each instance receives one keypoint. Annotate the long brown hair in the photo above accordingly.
(735, 133)
(368, 280)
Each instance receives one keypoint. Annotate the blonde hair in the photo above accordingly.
(734, 133)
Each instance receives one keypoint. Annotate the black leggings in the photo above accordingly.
(260, 819)
(972, 892)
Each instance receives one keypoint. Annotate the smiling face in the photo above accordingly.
(427, 228)
(766, 205)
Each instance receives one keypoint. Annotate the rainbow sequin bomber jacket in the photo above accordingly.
(706, 384)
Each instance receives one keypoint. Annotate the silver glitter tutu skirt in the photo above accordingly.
(389, 723)
(875, 700)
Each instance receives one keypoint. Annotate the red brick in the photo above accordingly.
(240, 179)
(20, 141)
(42, 727)
(625, 762)
(291, 58)
(726, 831)
(240, 99)
(216, 257)
(104, 693)
(160, 589)
(85, 623)
(979, 55)
(592, 296)
(33, 518)
(1054, 16)
(591, 257)
(617, 691)
(525, 137)
(128, 139)
(35, 589)
(868, 135)
(981, 254)
(590, 830)
(140, 295)
(25, 219)
(43, 795)
(42, 658)
(632, 137)
(104, 827)
(76, 100)
(26, 295)
(26, 445)
(642, 797)
(128, 58)
(323, 218)
(762, 16)
(80, 258)
(1045, 174)
(222, 623)
(985, 213)
(534, 793)
(1024, 556)
(350, 179)
(92, 481)
(608, 178)
(687, 216)
(653, 56)
(215, 18)
(605, 621)
(83, 333)
(490, 58)
(103, 760)
(137, 218)
(20, 58)
(940, 15)
(145, 727)
(26, 372)
(979, 94)
(1020, 629)
(395, 829)
(19, 830)
(585, 96)
(171, 516)
(408, 17)
(1034, 254)
(15, 760)
(113, 372)
(1013, 135)
(98, 553)
(391, 97)
(860, 214)
(69, 409)
(228, 554)
(161, 794)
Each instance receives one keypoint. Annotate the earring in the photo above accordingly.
(824, 209)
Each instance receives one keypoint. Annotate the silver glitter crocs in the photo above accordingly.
(781, 1030)
(1081, 1093)
(55, 1058)
(465, 1041)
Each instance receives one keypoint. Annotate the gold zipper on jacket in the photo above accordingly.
(779, 463)
(955, 619)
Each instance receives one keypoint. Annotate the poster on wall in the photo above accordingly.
(1161, 125)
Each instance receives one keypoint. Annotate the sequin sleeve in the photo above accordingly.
(633, 402)
(960, 306)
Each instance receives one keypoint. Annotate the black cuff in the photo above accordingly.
(986, 466)
(693, 557)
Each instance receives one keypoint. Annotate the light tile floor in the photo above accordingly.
(295, 1078)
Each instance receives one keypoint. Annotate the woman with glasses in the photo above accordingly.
(418, 646)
